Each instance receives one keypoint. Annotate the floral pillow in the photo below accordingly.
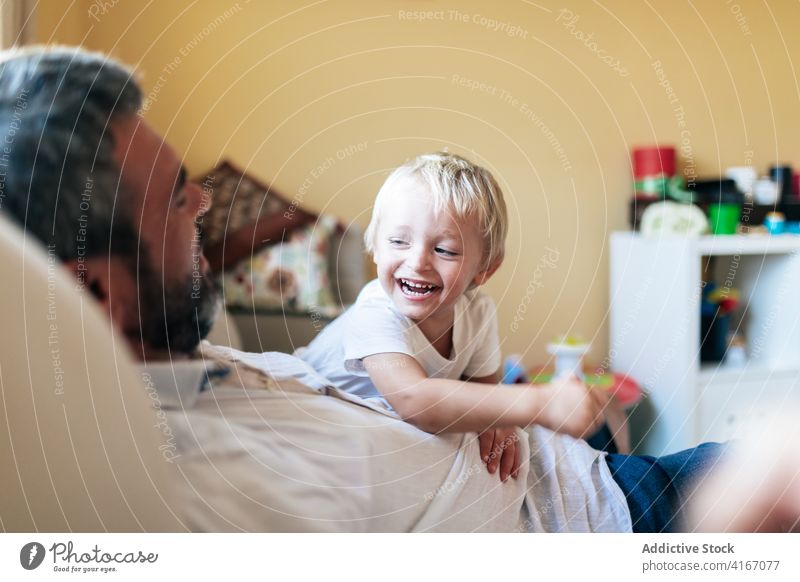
(237, 200)
(291, 276)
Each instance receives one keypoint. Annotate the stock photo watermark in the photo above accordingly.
(543, 510)
(628, 325)
(83, 225)
(680, 332)
(689, 164)
(549, 260)
(14, 125)
(476, 19)
(207, 188)
(453, 485)
(506, 98)
(568, 19)
(52, 321)
(169, 69)
(739, 16)
(100, 8)
(320, 169)
(169, 450)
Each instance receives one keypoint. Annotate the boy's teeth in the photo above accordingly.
(417, 285)
(417, 288)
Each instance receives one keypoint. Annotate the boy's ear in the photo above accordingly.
(486, 274)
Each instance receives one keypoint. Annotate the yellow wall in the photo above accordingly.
(281, 87)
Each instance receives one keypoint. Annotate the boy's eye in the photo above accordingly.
(396, 242)
(445, 252)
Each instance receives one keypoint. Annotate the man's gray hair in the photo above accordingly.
(56, 150)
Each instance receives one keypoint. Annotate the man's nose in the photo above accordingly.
(199, 199)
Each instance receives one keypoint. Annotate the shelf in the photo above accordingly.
(722, 374)
(709, 245)
(655, 333)
(751, 244)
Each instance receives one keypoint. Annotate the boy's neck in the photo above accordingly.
(439, 332)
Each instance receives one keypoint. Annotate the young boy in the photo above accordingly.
(422, 337)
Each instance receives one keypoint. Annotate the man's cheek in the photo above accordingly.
(155, 229)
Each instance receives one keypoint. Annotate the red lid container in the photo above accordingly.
(796, 184)
(653, 161)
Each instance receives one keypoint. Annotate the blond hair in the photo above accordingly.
(457, 185)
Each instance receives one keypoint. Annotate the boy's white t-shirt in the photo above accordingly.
(569, 486)
(374, 326)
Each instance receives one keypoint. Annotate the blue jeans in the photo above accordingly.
(658, 488)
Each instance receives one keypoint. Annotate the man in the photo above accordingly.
(272, 446)
(87, 176)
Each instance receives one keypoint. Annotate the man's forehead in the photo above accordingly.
(134, 136)
(144, 157)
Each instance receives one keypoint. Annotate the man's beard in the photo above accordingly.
(176, 316)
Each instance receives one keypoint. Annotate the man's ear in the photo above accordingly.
(487, 273)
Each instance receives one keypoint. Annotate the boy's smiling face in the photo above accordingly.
(426, 261)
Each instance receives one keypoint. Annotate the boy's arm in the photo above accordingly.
(438, 405)
(490, 379)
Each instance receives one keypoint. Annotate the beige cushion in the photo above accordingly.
(79, 441)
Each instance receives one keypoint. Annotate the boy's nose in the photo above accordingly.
(419, 259)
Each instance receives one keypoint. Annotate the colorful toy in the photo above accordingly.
(568, 352)
(621, 387)
(719, 300)
(513, 370)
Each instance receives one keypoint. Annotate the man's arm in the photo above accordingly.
(439, 405)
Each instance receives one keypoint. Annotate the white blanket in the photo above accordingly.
(296, 459)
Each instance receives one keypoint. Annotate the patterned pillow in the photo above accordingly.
(237, 200)
(291, 276)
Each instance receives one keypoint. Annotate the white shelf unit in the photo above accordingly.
(654, 327)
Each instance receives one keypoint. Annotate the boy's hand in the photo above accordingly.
(569, 406)
(499, 449)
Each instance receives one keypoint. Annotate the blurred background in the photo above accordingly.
(320, 100)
